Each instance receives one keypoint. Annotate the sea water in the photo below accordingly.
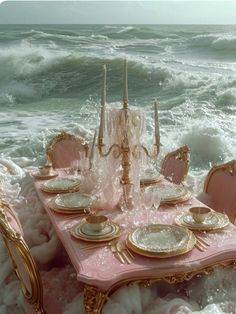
(50, 79)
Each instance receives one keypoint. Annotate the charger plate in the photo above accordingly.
(215, 221)
(80, 231)
(150, 178)
(40, 176)
(75, 200)
(66, 211)
(61, 185)
(161, 241)
(172, 193)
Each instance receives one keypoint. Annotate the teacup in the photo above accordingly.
(45, 170)
(199, 214)
(96, 223)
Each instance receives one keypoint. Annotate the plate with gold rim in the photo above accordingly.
(53, 206)
(61, 185)
(40, 176)
(74, 200)
(150, 178)
(215, 221)
(161, 241)
(79, 231)
(172, 193)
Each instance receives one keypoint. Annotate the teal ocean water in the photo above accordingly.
(50, 78)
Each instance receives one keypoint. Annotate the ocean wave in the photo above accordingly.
(215, 42)
(206, 146)
(131, 32)
(31, 73)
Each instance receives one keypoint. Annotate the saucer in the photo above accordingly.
(108, 229)
(210, 221)
(217, 221)
(38, 175)
(111, 231)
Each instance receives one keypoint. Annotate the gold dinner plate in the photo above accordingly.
(81, 231)
(76, 200)
(61, 185)
(172, 193)
(215, 221)
(66, 211)
(40, 176)
(161, 241)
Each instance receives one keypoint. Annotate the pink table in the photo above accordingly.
(102, 273)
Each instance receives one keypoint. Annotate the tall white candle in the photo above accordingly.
(156, 118)
(125, 90)
(93, 145)
(103, 102)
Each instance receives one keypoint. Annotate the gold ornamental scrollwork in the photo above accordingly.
(14, 241)
(94, 299)
(65, 136)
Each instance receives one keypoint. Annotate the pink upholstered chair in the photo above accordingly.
(64, 148)
(46, 292)
(219, 190)
(175, 165)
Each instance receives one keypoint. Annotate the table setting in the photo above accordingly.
(116, 215)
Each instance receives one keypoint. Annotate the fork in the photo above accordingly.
(201, 240)
(201, 246)
(116, 252)
(122, 251)
(125, 248)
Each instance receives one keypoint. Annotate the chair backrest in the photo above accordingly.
(175, 165)
(220, 185)
(64, 148)
(22, 260)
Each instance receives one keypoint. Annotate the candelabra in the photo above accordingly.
(125, 149)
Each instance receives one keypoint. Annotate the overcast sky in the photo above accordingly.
(118, 12)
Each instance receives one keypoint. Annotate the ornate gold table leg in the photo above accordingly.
(94, 298)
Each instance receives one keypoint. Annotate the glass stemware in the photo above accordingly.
(147, 197)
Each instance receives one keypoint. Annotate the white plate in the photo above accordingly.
(61, 185)
(150, 174)
(212, 220)
(74, 200)
(78, 232)
(222, 222)
(170, 192)
(160, 240)
(38, 175)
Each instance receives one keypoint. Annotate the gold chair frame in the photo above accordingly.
(181, 153)
(229, 167)
(64, 136)
(10, 235)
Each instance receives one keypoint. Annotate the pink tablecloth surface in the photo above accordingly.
(99, 267)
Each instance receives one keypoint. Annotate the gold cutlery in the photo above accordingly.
(116, 252)
(200, 246)
(122, 252)
(201, 240)
(124, 247)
